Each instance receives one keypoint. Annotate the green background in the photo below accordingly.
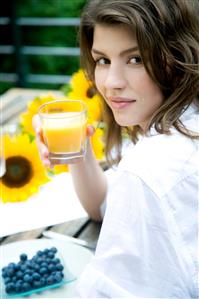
(43, 36)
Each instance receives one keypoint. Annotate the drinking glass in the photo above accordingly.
(64, 129)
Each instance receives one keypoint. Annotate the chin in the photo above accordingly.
(123, 123)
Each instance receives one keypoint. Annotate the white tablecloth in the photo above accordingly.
(55, 203)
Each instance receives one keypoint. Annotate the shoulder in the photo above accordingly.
(161, 161)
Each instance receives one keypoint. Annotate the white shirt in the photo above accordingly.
(148, 245)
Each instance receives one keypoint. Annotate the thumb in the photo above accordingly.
(36, 123)
(37, 126)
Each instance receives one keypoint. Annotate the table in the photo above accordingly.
(83, 228)
(13, 102)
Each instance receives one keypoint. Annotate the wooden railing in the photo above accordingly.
(20, 51)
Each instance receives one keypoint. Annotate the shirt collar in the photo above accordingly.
(186, 116)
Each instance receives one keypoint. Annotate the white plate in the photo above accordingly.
(75, 258)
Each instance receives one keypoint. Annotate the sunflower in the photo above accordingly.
(98, 144)
(24, 170)
(82, 88)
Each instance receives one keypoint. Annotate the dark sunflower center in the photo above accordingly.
(18, 172)
(91, 92)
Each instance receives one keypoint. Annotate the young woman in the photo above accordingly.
(143, 58)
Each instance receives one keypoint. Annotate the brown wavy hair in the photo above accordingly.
(168, 39)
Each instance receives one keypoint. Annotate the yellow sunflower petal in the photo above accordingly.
(98, 144)
(60, 168)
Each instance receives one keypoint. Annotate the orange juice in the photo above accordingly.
(65, 132)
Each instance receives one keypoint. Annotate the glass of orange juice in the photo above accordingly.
(64, 129)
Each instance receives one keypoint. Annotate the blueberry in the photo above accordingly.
(28, 271)
(44, 264)
(56, 261)
(48, 260)
(50, 254)
(11, 265)
(23, 257)
(57, 277)
(3, 269)
(17, 267)
(26, 286)
(7, 280)
(14, 278)
(10, 271)
(18, 288)
(23, 268)
(43, 270)
(59, 267)
(39, 253)
(50, 280)
(37, 284)
(4, 274)
(19, 274)
(19, 281)
(28, 278)
(43, 281)
(36, 276)
(34, 266)
(10, 288)
(39, 260)
(53, 249)
(51, 267)
(45, 251)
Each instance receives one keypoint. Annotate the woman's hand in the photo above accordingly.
(43, 149)
(88, 178)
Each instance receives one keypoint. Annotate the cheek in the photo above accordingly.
(99, 79)
(156, 95)
(148, 89)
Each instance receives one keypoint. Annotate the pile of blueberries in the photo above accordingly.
(43, 269)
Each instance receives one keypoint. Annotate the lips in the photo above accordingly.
(120, 102)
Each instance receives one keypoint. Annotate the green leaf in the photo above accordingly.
(50, 172)
(31, 137)
(66, 89)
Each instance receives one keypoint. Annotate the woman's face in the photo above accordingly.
(121, 78)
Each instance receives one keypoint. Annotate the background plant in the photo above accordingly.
(43, 36)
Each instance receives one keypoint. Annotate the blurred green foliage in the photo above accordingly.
(65, 36)
(50, 8)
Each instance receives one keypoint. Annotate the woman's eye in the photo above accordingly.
(135, 60)
(101, 61)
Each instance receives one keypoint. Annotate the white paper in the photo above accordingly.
(55, 203)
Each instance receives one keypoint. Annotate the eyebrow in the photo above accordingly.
(130, 50)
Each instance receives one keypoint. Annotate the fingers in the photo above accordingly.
(43, 150)
(90, 130)
(44, 153)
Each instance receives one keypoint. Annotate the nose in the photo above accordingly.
(115, 78)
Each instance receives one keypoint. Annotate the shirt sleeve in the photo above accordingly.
(111, 175)
(138, 252)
